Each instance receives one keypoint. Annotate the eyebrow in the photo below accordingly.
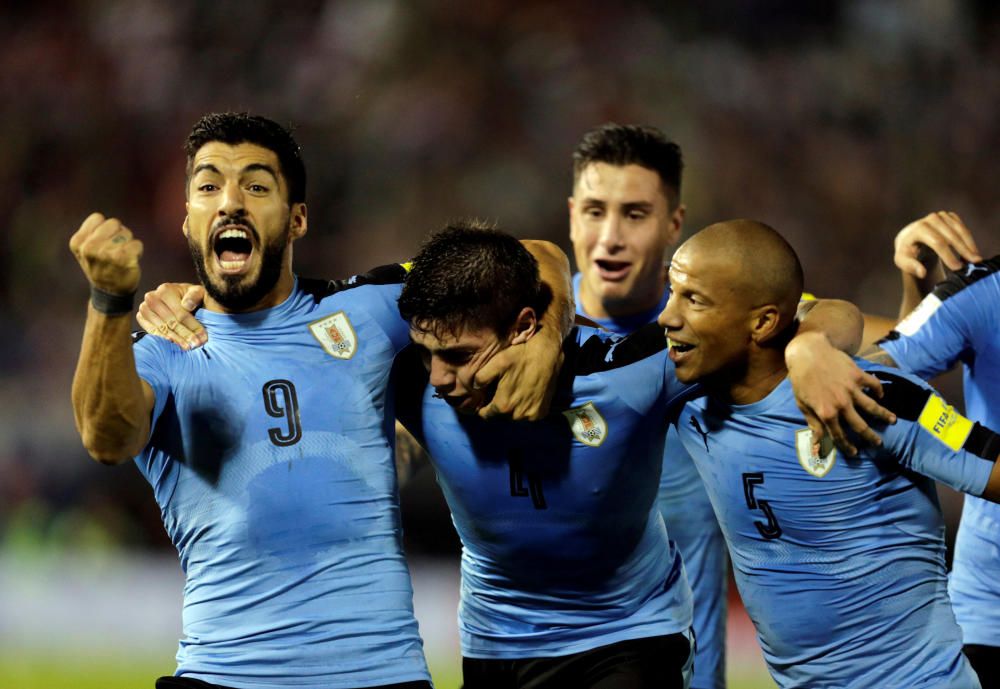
(638, 205)
(252, 167)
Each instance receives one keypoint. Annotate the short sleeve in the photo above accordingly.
(152, 364)
(945, 328)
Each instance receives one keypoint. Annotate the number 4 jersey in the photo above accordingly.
(563, 548)
(841, 561)
(270, 458)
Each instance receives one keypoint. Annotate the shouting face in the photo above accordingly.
(240, 226)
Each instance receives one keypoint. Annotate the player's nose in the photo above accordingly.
(442, 376)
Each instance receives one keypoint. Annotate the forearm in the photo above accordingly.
(554, 270)
(110, 405)
(876, 327)
(915, 289)
(840, 322)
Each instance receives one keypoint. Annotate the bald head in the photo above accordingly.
(762, 267)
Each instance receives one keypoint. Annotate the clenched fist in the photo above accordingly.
(108, 254)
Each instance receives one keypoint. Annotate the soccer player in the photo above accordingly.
(959, 322)
(268, 449)
(840, 561)
(568, 576)
(625, 217)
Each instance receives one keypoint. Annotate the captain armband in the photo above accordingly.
(957, 432)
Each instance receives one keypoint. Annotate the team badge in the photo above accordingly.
(818, 465)
(587, 424)
(336, 334)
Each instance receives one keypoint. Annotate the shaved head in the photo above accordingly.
(762, 265)
(735, 289)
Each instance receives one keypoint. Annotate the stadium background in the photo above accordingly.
(836, 122)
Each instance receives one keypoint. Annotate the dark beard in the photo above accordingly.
(236, 296)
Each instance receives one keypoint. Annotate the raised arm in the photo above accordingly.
(526, 374)
(829, 386)
(111, 404)
(922, 246)
(920, 249)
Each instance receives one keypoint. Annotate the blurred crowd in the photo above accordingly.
(836, 122)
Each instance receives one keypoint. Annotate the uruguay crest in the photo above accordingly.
(818, 465)
(587, 424)
(336, 334)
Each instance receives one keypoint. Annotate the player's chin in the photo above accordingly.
(686, 372)
(232, 283)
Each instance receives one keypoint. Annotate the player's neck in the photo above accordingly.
(762, 373)
(607, 310)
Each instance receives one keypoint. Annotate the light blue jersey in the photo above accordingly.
(271, 459)
(960, 322)
(691, 523)
(841, 561)
(563, 549)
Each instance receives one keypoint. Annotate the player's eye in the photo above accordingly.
(594, 213)
(637, 215)
(207, 187)
(257, 188)
(456, 358)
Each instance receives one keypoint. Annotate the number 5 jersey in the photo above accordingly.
(840, 561)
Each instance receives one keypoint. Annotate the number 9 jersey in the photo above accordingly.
(270, 457)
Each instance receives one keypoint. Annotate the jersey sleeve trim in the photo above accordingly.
(971, 274)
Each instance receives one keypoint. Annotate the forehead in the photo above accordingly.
(228, 158)
(435, 338)
(698, 268)
(631, 182)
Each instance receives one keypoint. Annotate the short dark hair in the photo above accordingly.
(632, 144)
(241, 127)
(469, 275)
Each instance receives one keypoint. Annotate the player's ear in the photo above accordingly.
(676, 224)
(298, 221)
(765, 323)
(525, 326)
(185, 226)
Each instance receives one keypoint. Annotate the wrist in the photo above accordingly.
(804, 342)
(111, 304)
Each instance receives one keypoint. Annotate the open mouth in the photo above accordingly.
(678, 349)
(612, 270)
(233, 248)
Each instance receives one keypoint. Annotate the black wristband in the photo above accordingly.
(111, 304)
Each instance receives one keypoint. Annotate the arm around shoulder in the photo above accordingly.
(554, 271)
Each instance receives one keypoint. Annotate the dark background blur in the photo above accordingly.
(836, 122)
